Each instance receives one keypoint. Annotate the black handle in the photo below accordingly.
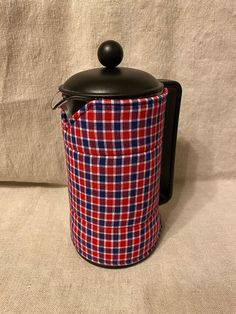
(169, 139)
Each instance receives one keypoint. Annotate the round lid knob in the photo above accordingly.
(110, 53)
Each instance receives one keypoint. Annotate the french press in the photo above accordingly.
(119, 128)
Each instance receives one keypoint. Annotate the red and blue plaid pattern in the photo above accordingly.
(113, 155)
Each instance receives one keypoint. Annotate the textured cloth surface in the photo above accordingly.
(45, 42)
(192, 269)
(113, 153)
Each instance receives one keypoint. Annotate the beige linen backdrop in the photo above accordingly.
(45, 42)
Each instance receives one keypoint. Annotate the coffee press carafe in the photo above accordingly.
(119, 127)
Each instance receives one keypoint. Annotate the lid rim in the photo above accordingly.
(111, 95)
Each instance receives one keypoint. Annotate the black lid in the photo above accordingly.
(111, 82)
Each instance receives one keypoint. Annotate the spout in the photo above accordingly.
(58, 100)
(70, 104)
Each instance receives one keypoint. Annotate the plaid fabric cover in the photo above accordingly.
(113, 155)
